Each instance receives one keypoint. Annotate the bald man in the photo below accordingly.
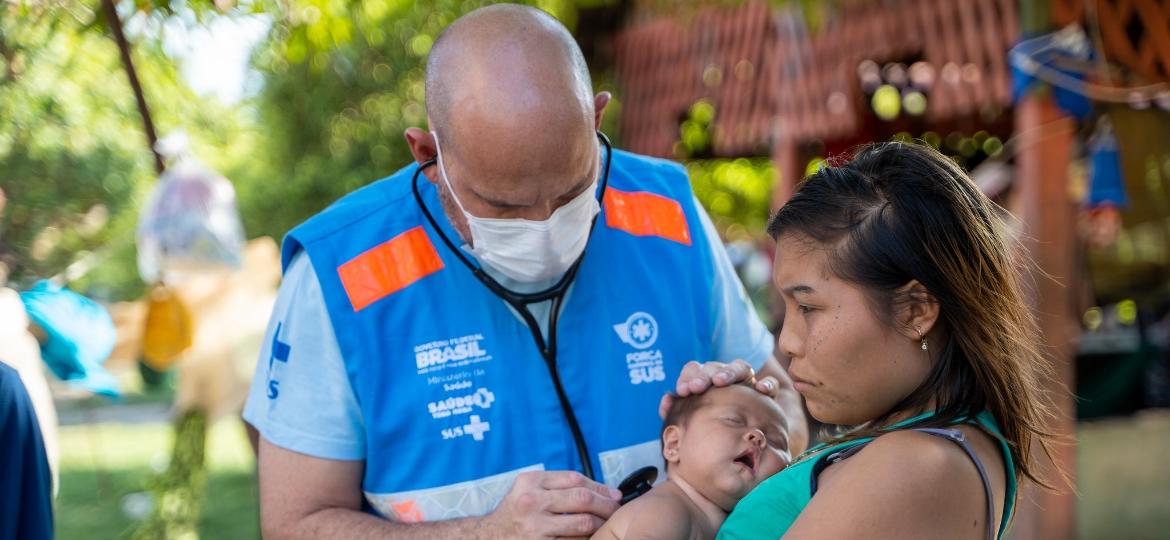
(478, 346)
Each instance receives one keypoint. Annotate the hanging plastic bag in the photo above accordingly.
(190, 222)
(168, 329)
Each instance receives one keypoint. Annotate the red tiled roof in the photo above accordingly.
(794, 83)
(663, 65)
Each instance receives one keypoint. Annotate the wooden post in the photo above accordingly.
(1048, 216)
(786, 155)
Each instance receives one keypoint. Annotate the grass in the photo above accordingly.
(103, 463)
(1124, 478)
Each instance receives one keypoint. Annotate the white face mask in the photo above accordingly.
(530, 251)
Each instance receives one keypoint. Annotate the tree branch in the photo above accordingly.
(124, 47)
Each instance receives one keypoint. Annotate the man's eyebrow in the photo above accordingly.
(801, 289)
(502, 204)
(499, 203)
(577, 188)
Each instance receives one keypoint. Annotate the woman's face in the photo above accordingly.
(849, 366)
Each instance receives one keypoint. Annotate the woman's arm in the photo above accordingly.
(902, 485)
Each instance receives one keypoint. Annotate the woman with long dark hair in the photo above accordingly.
(905, 319)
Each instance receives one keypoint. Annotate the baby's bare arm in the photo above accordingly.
(608, 530)
(657, 515)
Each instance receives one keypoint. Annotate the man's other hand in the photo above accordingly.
(552, 504)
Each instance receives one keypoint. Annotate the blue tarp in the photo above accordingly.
(80, 336)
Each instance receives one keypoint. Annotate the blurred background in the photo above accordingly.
(138, 273)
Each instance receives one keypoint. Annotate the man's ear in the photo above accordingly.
(599, 103)
(422, 147)
(918, 311)
(671, 440)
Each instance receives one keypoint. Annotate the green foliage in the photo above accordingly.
(736, 192)
(200, 10)
(695, 132)
(343, 81)
(74, 160)
(70, 152)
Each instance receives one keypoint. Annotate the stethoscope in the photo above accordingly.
(521, 301)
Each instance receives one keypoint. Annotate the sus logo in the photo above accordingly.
(639, 331)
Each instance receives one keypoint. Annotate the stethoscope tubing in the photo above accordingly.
(520, 301)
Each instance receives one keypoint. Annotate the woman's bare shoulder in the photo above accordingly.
(905, 483)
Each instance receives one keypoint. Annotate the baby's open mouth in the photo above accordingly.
(747, 459)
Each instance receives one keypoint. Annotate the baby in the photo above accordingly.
(718, 445)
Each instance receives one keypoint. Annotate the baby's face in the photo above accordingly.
(736, 439)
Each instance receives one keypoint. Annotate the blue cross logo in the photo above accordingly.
(280, 349)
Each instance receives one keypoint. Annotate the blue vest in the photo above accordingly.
(455, 397)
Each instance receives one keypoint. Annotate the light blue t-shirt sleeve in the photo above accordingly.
(738, 332)
(301, 398)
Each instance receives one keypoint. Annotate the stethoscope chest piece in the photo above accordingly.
(637, 483)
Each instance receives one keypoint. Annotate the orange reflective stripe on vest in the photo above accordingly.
(389, 267)
(642, 213)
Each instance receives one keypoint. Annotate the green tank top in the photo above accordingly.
(773, 506)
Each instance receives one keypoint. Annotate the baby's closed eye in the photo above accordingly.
(734, 421)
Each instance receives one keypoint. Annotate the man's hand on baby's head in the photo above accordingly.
(697, 378)
(552, 504)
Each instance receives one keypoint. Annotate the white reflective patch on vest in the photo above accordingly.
(465, 499)
(618, 463)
